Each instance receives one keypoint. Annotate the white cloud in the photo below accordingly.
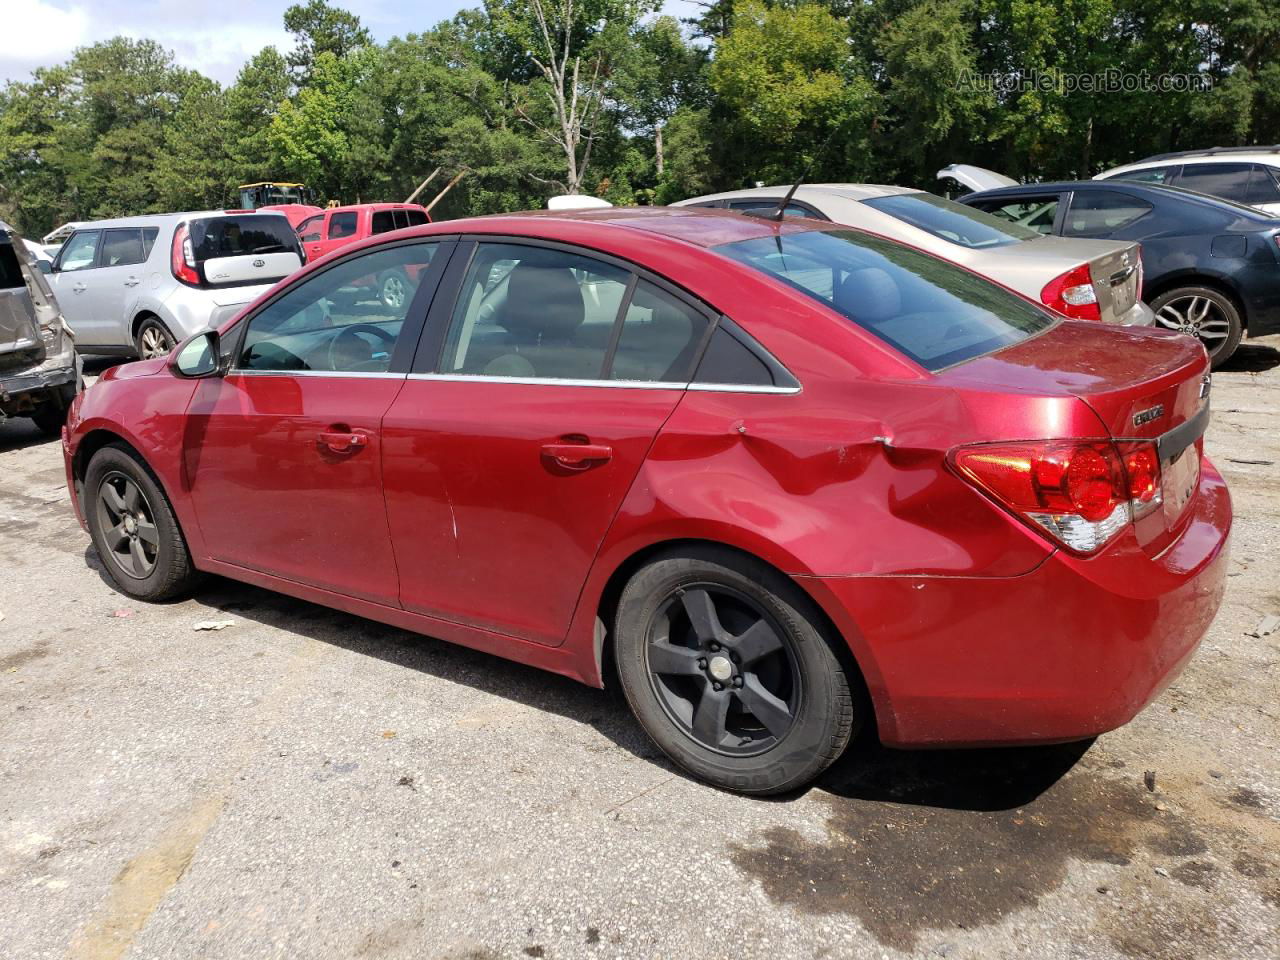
(38, 33)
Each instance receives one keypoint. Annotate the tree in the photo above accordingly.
(319, 28)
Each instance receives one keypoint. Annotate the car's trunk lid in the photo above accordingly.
(1114, 267)
(1142, 384)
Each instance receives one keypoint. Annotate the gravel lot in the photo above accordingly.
(307, 784)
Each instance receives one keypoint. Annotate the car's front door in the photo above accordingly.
(1040, 211)
(71, 280)
(510, 450)
(284, 453)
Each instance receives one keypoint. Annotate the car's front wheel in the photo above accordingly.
(394, 289)
(725, 664)
(134, 528)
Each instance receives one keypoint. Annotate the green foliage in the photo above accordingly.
(752, 90)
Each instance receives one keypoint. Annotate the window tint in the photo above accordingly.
(952, 221)
(79, 252)
(533, 312)
(309, 229)
(1102, 212)
(932, 311)
(347, 318)
(342, 225)
(1263, 186)
(415, 218)
(1230, 180)
(383, 221)
(727, 360)
(1149, 175)
(10, 271)
(771, 206)
(1035, 213)
(121, 247)
(660, 337)
(213, 238)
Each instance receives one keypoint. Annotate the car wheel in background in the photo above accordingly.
(394, 289)
(133, 527)
(49, 418)
(154, 339)
(725, 664)
(1204, 313)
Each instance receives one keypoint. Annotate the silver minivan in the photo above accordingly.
(138, 285)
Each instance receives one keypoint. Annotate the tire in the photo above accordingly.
(166, 570)
(760, 637)
(153, 339)
(394, 290)
(49, 418)
(1205, 313)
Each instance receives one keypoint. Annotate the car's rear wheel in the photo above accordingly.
(726, 666)
(1207, 314)
(153, 339)
(134, 528)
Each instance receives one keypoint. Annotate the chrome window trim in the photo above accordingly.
(353, 374)
(613, 384)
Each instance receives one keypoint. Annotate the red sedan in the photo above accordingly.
(784, 479)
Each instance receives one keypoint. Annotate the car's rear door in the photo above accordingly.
(284, 452)
(544, 376)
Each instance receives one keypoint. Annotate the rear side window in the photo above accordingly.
(1263, 186)
(342, 225)
(213, 238)
(729, 361)
(123, 247)
(659, 339)
(1035, 213)
(1102, 212)
(951, 221)
(766, 206)
(1149, 175)
(10, 270)
(1230, 180)
(930, 310)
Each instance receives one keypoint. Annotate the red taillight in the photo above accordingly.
(1080, 493)
(1073, 294)
(182, 258)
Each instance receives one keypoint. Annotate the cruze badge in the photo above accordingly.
(1146, 416)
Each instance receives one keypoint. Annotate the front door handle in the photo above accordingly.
(79, 288)
(132, 282)
(342, 441)
(577, 456)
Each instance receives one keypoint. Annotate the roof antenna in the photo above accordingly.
(781, 212)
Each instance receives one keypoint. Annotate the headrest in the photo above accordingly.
(543, 302)
(869, 295)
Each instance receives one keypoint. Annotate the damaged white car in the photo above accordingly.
(40, 371)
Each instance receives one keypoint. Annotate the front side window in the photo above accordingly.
(1149, 175)
(1229, 180)
(1102, 212)
(342, 225)
(932, 311)
(309, 229)
(340, 320)
(532, 312)
(951, 221)
(80, 251)
(1034, 213)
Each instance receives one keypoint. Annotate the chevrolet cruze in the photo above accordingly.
(780, 479)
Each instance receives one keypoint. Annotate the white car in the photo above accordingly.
(1248, 175)
(137, 285)
(1086, 279)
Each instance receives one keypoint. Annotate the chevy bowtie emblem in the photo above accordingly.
(259, 263)
(1146, 416)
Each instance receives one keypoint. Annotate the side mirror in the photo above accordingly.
(45, 266)
(197, 357)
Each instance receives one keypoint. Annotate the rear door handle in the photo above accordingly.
(577, 456)
(79, 288)
(340, 441)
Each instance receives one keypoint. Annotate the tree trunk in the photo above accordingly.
(1088, 148)
(658, 161)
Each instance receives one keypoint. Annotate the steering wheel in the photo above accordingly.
(349, 335)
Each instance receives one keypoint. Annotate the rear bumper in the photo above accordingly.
(1070, 650)
(1139, 315)
(58, 374)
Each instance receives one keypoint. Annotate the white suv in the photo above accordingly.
(138, 285)
(1249, 175)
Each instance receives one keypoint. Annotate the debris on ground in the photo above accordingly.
(1252, 463)
(123, 613)
(1267, 626)
(388, 734)
(212, 624)
(1149, 778)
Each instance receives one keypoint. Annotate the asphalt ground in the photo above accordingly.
(307, 784)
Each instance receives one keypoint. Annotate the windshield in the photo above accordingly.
(932, 311)
(242, 235)
(952, 221)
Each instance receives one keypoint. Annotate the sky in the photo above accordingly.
(215, 38)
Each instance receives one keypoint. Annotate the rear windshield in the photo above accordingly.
(241, 235)
(952, 221)
(10, 272)
(932, 311)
